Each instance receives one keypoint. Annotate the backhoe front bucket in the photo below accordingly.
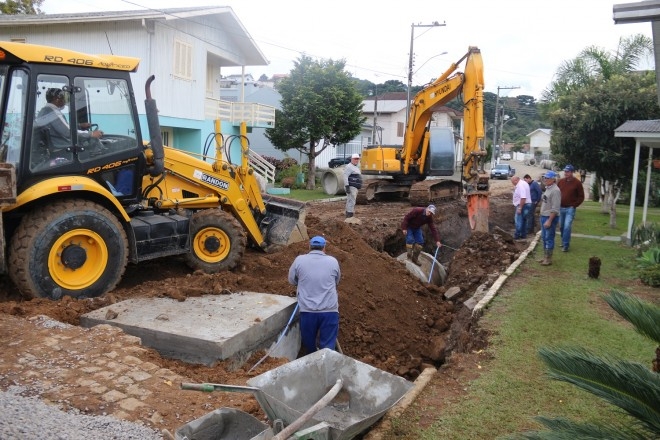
(284, 222)
(478, 211)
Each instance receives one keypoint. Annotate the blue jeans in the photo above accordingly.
(414, 236)
(325, 325)
(548, 234)
(566, 216)
(530, 219)
(521, 221)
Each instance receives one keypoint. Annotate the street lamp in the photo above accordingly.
(434, 56)
(410, 60)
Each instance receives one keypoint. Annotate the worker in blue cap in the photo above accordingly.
(316, 276)
(550, 205)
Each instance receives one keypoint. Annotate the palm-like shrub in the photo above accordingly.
(631, 386)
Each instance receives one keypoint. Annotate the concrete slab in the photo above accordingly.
(206, 329)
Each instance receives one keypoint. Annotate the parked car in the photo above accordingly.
(506, 156)
(502, 171)
(338, 161)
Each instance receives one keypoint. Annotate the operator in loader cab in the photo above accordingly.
(316, 275)
(50, 118)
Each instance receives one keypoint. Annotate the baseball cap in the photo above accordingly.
(550, 175)
(431, 208)
(355, 156)
(317, 241)
(569, 168)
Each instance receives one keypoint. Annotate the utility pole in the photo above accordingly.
(410, 60)
(373, 136)
(497, 111)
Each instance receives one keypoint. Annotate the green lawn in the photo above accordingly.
(540, 306)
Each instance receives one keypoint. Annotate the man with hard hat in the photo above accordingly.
(352, 183)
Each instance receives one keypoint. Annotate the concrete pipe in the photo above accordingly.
(333, 181)
(426, 260)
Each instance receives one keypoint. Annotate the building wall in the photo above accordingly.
(180, 101)
(539, 141)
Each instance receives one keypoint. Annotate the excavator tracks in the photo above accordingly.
(434, 191)
(418, 193)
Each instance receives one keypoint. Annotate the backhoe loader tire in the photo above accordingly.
(217, 241)
(69, 247)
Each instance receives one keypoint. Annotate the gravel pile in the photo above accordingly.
(28, 418)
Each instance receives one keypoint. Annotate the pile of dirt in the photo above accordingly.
(389, 318)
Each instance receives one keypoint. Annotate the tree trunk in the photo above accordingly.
(311, 169)
(611, 196)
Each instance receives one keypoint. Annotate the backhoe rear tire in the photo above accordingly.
(69, 247)
(217, 241)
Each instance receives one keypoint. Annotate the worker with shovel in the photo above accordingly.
(316, 275)
(412, 229)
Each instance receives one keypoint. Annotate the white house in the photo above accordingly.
(185, 48)
(539, 142)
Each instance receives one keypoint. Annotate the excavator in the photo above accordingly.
(430, 151)
(82, 194)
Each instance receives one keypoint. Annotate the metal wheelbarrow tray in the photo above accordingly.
(291, 389)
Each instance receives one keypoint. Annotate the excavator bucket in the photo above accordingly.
(478, 210)
(284, 222)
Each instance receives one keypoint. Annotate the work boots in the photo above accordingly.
(409, 251)
(547, 261)
(349, 214)
(417, 249)
(542, 259)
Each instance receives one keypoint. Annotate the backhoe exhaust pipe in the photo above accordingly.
(156, 140)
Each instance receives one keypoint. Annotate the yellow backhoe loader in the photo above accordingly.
(82, 195)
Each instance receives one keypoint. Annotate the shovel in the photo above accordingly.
(336, 397)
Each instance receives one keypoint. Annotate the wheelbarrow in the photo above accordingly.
(287, 392)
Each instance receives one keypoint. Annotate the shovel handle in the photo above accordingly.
(210, 387)
(318, 406)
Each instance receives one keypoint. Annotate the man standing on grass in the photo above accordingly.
(572, 196)
(550, 206)
(536, 193)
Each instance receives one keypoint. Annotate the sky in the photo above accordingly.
(522, 42)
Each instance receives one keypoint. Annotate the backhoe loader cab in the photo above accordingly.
(82, 194)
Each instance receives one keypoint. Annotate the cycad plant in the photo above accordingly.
(631, 386)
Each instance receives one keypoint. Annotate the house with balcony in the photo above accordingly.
(185, 48)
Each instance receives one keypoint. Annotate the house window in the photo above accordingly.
(17, 40)
(183, 60)
(399, 129)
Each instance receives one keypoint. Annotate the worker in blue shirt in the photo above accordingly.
(316, 275)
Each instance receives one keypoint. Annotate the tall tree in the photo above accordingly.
(583, 127)
(321, 107)
(585, 108)
(596, 64)
(21, 7)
